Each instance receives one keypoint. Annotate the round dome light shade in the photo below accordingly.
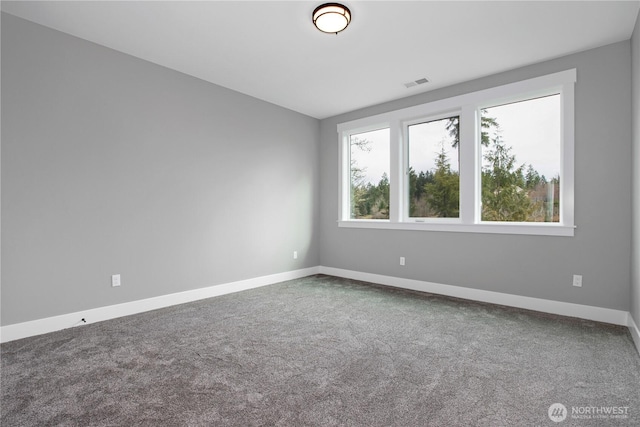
(331, 17)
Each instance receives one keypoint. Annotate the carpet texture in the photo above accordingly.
(323, 351)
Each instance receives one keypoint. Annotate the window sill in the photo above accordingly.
(536, 229)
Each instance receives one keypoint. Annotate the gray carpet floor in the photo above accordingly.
(322, 351)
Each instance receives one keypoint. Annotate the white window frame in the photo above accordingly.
(468, 107)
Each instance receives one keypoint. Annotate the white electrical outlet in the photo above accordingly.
(577, 280)
(295, 254)
(115, 280)
(401, 260)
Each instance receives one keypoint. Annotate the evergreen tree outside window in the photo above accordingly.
(434, 181)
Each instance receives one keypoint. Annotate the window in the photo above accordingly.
(434, 181)
(369, 174)
(521, 161)
(494, 161)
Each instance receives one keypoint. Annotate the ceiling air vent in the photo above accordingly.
(416, 82)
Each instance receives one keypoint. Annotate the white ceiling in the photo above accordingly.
(270, 50)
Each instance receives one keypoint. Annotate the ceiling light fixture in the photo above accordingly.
(331, 17)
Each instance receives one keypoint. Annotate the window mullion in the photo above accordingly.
(567, 156)
(397, 170)
(469, 177)
(344, 173)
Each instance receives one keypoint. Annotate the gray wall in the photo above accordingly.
(635, 253)
(535, 266)
(111, 164)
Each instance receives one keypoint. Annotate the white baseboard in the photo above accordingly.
(56, 323)
(635, 332)
(616, 317)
